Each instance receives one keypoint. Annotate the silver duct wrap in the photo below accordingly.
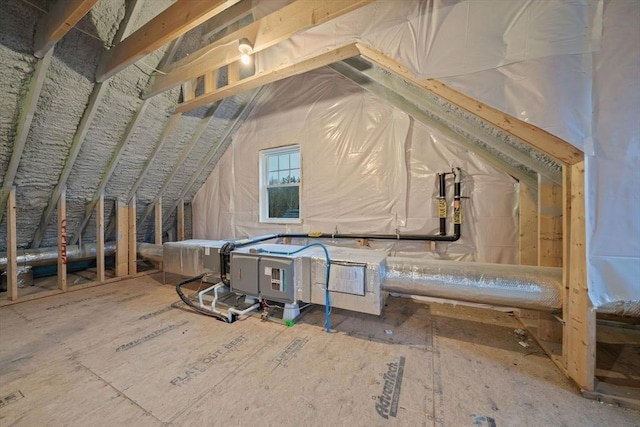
(49, 256)
(536, 288)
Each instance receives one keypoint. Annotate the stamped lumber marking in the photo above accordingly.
(10, 398)
(131, 298)
(55, 307)
(289, 352)
(152, 335)
(208, 361)
(387, 404)
(156, 313)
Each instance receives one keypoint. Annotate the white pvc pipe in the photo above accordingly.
(241, 312)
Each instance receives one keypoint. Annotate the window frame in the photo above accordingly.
(264, 184)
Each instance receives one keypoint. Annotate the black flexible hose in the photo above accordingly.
(190, 303)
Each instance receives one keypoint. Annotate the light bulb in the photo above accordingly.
(245, 59)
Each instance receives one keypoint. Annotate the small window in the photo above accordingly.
(280, 179)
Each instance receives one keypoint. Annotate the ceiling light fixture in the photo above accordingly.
(246, 48)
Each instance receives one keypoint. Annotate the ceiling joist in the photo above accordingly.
(170, 24)
(281, 72)
(64, 15)
(263, 33)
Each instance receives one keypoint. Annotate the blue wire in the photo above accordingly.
(327, 305)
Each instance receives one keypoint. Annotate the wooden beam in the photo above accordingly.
(64, 15)
(111, 167)
(549, 224)
(12, 247)
(133, 237)
(538, 138)
(95, 100)
(246, 109)
(580, 317)
(62, 241)
(263, 33)
(281, 72)
(158, 223)
(100, 239)
(209, 81)
(233, 72)
(170, 24)
(180, 218)
(27, 110)
(528, 225)
(202, 126)
(122, 239)
(230, 16)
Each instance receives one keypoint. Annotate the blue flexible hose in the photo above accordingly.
(327, 305)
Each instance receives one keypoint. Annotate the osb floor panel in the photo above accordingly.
(122, 355)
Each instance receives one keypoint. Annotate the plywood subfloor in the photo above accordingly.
(123, 354)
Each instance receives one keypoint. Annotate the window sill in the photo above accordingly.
(281, 220)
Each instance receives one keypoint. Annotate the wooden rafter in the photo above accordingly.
(230, 16)
(542, 140)
(64, 15)
(170, 24)
(263, 33)
(95, 100)
(281, 72)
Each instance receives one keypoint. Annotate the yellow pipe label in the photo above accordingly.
(442, 208)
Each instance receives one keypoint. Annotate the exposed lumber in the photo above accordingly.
(281, 72)
(230, 129)
(230, 16)
(27, 110)
(170, 24)
(528, 225)
(189, 90)
(64, 15)
(133, 233)
(81, 132)
(209, 81)
(412, 101)
(111, 167)
(62, 241)
(542, 140)
(233, 72)
(263, 33)
(12, 247)
(122, 239)
(180, 218)
(579, 350)
(158, 223)
(202, 126)
(550, 249)
(100, 239)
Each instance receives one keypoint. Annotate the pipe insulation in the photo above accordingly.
(530, 287)
(49, 256)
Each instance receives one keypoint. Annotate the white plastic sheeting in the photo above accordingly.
(533, 60)
(367, 167)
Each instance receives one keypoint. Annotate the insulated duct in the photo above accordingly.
(530, 287)
(49, 256)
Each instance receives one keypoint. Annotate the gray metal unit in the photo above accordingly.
(244, 274)
(276, 279)
(192, 257)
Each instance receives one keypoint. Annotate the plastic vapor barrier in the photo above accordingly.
(536, 288)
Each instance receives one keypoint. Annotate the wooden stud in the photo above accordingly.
(27, 110)
(62, 241)
(233, 72)
(189, 90)
(550, 249)
(528, 225)
(262, 33)
(64, 15)
(100, 239)
(170, 24)
(133, 237)
(12, 247)
(281, 72)
(209, 81)
(542, 140)
(180, 219)
(122, 239)
(579, 350)
(158, 223)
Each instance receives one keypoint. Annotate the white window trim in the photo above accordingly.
(264, 206)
